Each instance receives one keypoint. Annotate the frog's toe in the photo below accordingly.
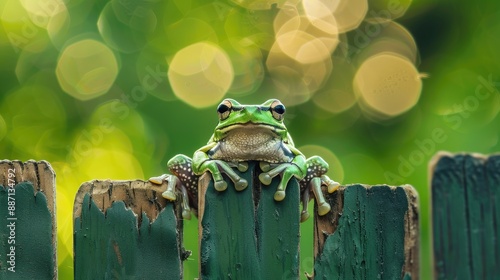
(242, 166)
(265, 166)
(304, 216)
(279, 195)
(220, 185)
(332, 187)
(265, 179)
(158, 180)
(170, 195)
(241, 184)
(186, 214)
(323, 208)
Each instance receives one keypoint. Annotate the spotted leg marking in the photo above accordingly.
(315, 178)
(183, 180)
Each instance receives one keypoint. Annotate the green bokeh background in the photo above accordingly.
(126, 133)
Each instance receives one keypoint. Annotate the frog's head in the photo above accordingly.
(234, 116)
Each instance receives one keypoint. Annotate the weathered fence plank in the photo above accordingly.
(28, 232)
(247, 234)
(466, 216)
(126, 230)
(371, 233)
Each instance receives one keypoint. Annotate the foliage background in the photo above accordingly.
(107, 109)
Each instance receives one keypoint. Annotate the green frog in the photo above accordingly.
(248, 133)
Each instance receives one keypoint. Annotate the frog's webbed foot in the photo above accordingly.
(287, 171)
(158, 180)
(217, 167)
(331, 185)
(171, 180)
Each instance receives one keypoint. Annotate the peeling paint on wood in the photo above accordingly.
(28, 232)
(466, 216)
(247, 234)
(126, 230)
(371, 233)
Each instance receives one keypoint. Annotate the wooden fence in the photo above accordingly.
(372, 232)
(466, 216)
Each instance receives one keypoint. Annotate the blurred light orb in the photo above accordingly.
(388, 84)
(52, 15)
(201, 74)
(302, 40)
(302, 47)
(349, 14)
(86, 69)
(320, 14)
(339, 15)
(293, 81)
(42, 11)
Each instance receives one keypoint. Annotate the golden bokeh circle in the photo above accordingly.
(201, 74)
(86, 69)
(388, 84)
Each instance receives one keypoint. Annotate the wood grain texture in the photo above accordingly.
(33, 228)
(371, 233)
(126, 230)
(466, 216)
(247, 234)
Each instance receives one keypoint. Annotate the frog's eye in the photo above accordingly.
(224, 109)
(278, 110)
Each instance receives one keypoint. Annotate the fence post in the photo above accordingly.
(466, 216)
(126, 230)
(28, 220)
(247, 234)
(371, 233)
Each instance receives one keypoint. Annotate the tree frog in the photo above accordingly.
(248, 133)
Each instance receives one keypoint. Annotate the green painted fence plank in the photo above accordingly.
(278, 234)
(246, 234)
(27, 221)
(465, 202)
(371, 233)
(126, 230)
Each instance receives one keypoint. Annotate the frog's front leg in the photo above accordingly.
(314, 169)
(202, 163)
(296, 168)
